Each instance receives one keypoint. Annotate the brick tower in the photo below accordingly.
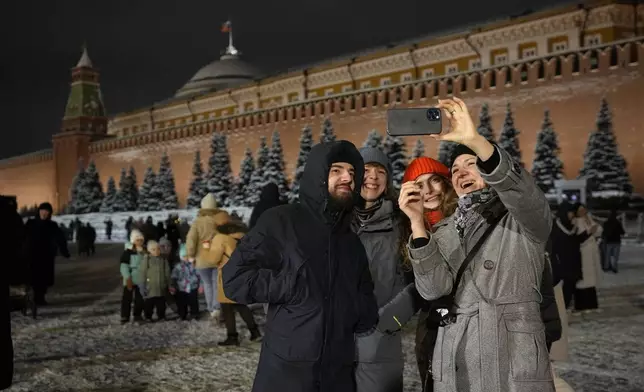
(84, 122)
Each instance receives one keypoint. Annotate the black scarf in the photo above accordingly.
(364, 214)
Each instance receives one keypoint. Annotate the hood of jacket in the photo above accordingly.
(314, 189)
(270, 194)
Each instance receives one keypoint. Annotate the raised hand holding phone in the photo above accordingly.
(462, 129)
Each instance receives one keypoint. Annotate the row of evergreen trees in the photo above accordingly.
(602, 164)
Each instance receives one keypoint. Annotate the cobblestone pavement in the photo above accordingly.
(78, 344)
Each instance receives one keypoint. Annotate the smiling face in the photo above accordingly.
(374, 184)
(432, 190)
(465, 176)
(341, 183)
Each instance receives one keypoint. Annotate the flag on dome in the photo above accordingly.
(227, 27)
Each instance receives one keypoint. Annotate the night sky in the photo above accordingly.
(146, 50)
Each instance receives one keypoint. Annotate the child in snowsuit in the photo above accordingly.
(155, 281)
(186, 286)
(130, 263)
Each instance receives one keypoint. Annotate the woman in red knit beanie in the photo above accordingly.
(439, 198)
(439, 201)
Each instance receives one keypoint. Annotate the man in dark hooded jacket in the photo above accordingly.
(306, 263)
(10, 243)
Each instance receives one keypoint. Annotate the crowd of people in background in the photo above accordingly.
(342, 271)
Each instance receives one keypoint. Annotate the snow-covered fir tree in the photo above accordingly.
(149, 193)
(132, 190)
(445, 151)
(603, 164)
(509, 139)
(120, 200)
(274, 171)
(165, 183)
(109, 201)
(78, 199)
(485, 124)
(257, 180)
(220, 177)
(546, 166)
(242, 184)
(327, 134)
(395, 149)
(419, 149)
(197, 187)
(306, 143)
(374, 139)
(93, 187)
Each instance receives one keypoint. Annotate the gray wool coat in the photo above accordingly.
(497, 343)
(380, 359)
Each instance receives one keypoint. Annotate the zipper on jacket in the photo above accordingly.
(325, 309)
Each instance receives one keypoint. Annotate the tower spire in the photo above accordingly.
(227, 27)
(84, 60)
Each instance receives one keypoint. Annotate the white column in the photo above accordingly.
(542, 46)
(513, 53)
(573, 39)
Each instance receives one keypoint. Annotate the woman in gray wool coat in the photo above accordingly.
(496, 341)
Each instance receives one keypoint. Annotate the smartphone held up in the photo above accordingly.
(414, 121)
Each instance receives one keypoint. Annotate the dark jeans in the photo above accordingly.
(187, 301)
(611, 256)
(569, 287)
(228, 311)
(39, 294)
(6, 344)
(426, 333)
(152, 303)
(126, 303)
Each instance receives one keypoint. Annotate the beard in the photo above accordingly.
(340, 202)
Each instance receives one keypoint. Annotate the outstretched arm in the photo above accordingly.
(256, 272)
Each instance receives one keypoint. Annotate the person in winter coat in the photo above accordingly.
(306, 263)
(269, 198)
(198, 243)
(154, 281)
(224, 243)
(10, 243)
(185, 286)
(130, 263)
(566, 247)
(439, 201)
(556, 324)
(611, 242)
(493, 336)
(44, 241)
(586, 288)
(108, 228)
(377, 221)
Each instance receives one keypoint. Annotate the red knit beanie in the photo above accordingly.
(425, 165)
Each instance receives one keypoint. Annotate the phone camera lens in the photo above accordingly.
(433, 114)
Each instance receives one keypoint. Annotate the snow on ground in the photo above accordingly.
(78, 344)
(97, 220)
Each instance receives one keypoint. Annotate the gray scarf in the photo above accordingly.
(467, 211)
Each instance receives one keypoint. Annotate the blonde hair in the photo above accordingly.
(152, 245)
